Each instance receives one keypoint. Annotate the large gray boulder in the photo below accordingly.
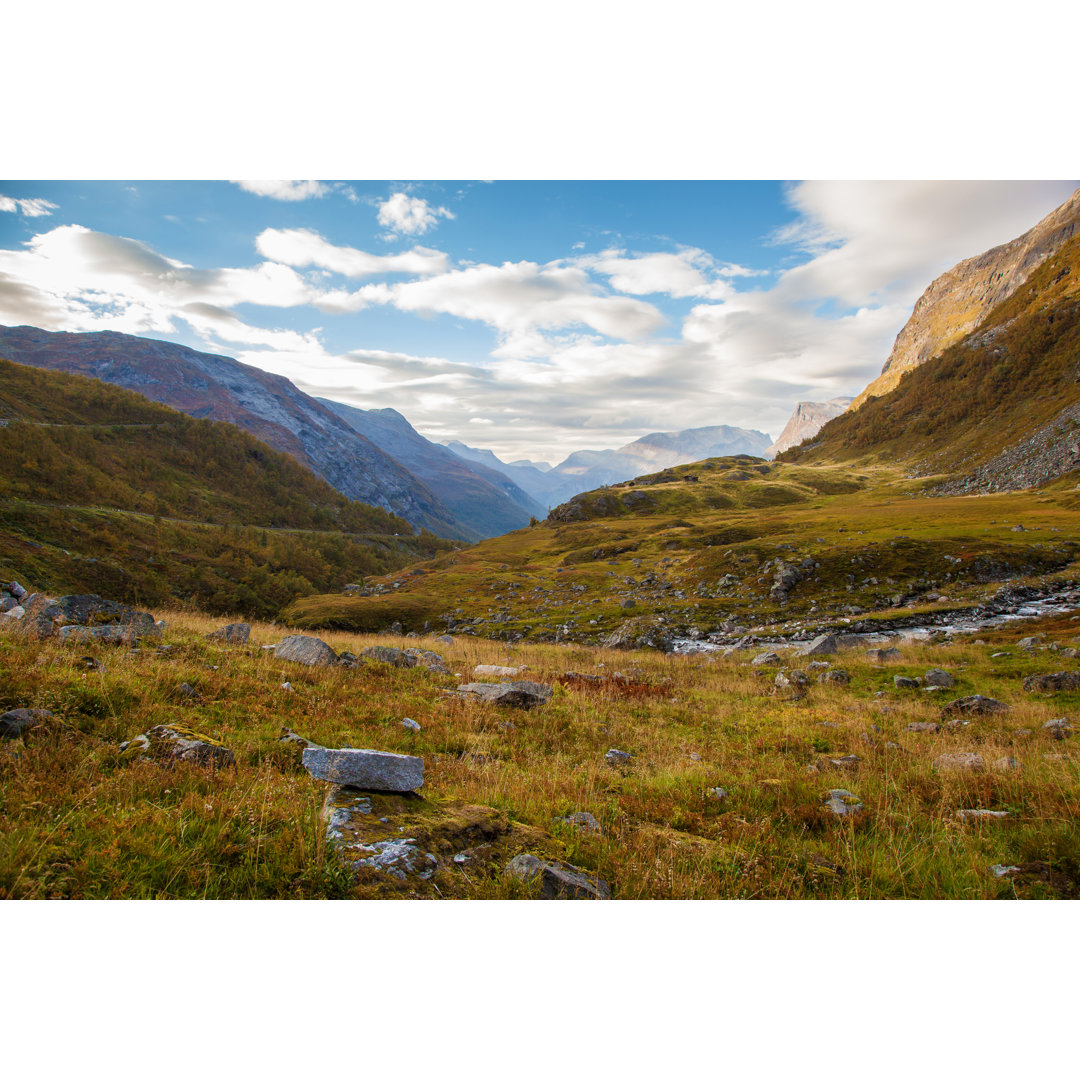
(301, 649)
(558, 881)
(823, 645)
(236, 633)
(111, 634)
(1058, 680)
(974, 705)
(521, 694)
(371, 770)
(939, 677)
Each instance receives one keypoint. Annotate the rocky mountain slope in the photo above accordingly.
(806, 421)
(584, 470)
(268, 406)
(999, 410)
(481, 498)
(957, 301)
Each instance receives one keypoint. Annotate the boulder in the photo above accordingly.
(617, 757)
(823, 645)
(406, 658)
(111, 634)
(938, 677)
(581, 820)
(902, 682)
(409, 724)
(834, 678)
(643, 632)
(236, 633)
(974, 705)
(922, 726)
(558, 881)
(1058, 729)
(41, 616)
(17, 591)
(882, 656)
(521, 694)
(766, 658)
(1006, 764)
(301, 649)
(969, 815)
(14, 722)
(960, 763)
(370, 770)
(1059, 680)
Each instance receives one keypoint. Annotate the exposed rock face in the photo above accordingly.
(370, 770)
(806, 421)
(957, 301)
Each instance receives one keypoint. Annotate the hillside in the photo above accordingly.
(103, 490)
(961, 298)
(268, 406)
(480, 498)
(995, 411)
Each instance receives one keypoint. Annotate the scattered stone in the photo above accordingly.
(1001, 870)
(558, 881)
(902, 682)
(818, 665)
(370, 770)
(923, 726)
(617, 757)
(91, 663)
(445, 639)
(848, 761)
(497, 671)
(521, 694)
(968, 815)
(1059, 680)
(288, 688)
(17, 591)
(936, 677)
(171, 742)
(1058, 728)
(410, 724)
(766, 658)
(406, 658)
(794, 680)
(823, 645)
(716, 793)
(583, 821)
(290, 738)
(188, 691)
(642, 632)
(842, 803)
(975, 705)
(1005, 764)
(882, 656)
(960, 763)
(836, 677)
(236, 633)
(300, 649)
(1029, 643)
(14, 722)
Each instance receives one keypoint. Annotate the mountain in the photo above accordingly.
(996, 411)
(481, 498)
(584, 470)
(104, 491)
(957, 301)
(807, 420)
(268, 406)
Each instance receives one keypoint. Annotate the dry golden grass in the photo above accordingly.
(80, 822)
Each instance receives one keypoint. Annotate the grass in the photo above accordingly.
(80, 822)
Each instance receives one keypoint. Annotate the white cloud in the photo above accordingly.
(688, 272)
(302, 247)
(520, 299)
(27, 207)
(403, 213)
(285, 190)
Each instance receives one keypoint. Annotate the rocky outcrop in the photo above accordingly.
(957, 301)
(806, 421)
(370, 770)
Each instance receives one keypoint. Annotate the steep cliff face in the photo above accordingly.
(807, 420)
(957, 301)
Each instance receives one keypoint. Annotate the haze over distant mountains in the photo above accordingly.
(584, 470)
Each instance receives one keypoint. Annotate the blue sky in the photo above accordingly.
(534, 318)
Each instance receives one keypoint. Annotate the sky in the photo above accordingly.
(534, 318)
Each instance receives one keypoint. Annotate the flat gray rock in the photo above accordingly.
(766, 658)
(960, 763)
(975, 705)
(939, 677)
(558, 881)
(301, 649)
(842, 802)
(370, 770)
(836, 677)
(617, 757)
(520, 694)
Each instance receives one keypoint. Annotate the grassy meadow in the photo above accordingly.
(79, 821)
